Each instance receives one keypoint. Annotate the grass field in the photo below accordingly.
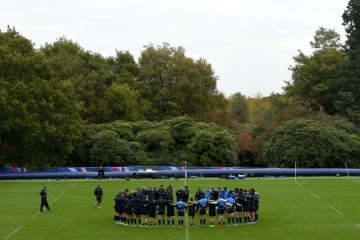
(311, 208)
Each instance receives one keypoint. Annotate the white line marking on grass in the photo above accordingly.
(355, 180)
(13, 232)
(298, 183)
(335, 210)
(36, 214)
(73, 185)
(58, 197)
(314, 194)
(358, 225)
(306, 181)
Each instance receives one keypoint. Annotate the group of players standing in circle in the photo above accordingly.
(147, 207)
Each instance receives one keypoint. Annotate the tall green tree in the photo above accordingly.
(176, 85)
(314, 77)
(351, 22)
(238, 107)
(40, 117)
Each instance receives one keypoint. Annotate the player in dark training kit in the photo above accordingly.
(149, 205)
(44, 201)
(98, 192)
(191, 211)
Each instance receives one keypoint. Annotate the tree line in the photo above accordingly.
(62, 105)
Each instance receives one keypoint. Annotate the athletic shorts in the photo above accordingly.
(202, 211)
(152, 214)
(246, 209)
(230, 210)
(170, 214)
(137, 213)
(239, 209)
(191, 213)
(251, 209)
(180, 213)
(221, 211)
(161, 212)
(98, 199)
(144, 213)
(212, 213)
(129, 212)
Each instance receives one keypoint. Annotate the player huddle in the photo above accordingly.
(155, 207)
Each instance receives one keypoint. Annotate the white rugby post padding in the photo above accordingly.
(295, 171)
(185, 170)
(347, 171)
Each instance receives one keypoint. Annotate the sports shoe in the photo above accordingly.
(99, 207)
(95, 206)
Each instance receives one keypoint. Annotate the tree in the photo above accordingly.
(238, 107)
(348, 84)
(351, 22)
(109, 150)
(40, 118)
(314, 77)
(311, 144)
(326, 39)
(177, 85)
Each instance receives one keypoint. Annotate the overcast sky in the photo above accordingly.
(250, 43)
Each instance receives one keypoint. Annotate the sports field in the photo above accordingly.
(311, 208)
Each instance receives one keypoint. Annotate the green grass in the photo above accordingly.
(287, 210)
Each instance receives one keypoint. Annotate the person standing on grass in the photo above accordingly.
(144, 211)
(44, 201)
(179, 194)
(230, 202)
(152, 212)
(161, 204)
(221, 210)
(161, 192)
(186, 194)
(191, 210)
(240, 199)
(198, 195)
(212, 211)
(180, 205)
(101, 173)
(203, 203)
(246, 208)
(170, 213)
(98, 192)
(257, 203)
(208, 193)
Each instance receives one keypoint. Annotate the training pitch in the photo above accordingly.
(310, 208)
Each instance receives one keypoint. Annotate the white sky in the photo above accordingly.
(250, 43)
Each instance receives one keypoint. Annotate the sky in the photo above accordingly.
(249, 43)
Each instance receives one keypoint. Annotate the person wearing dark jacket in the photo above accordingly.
(98, 192)
(44, 201)
(101, 172)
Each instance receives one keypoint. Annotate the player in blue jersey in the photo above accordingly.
(208, 193)
(180, 205)
(221, 202)
(203, 203)
(230, 203)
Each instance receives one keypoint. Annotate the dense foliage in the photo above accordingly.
(64, 105)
